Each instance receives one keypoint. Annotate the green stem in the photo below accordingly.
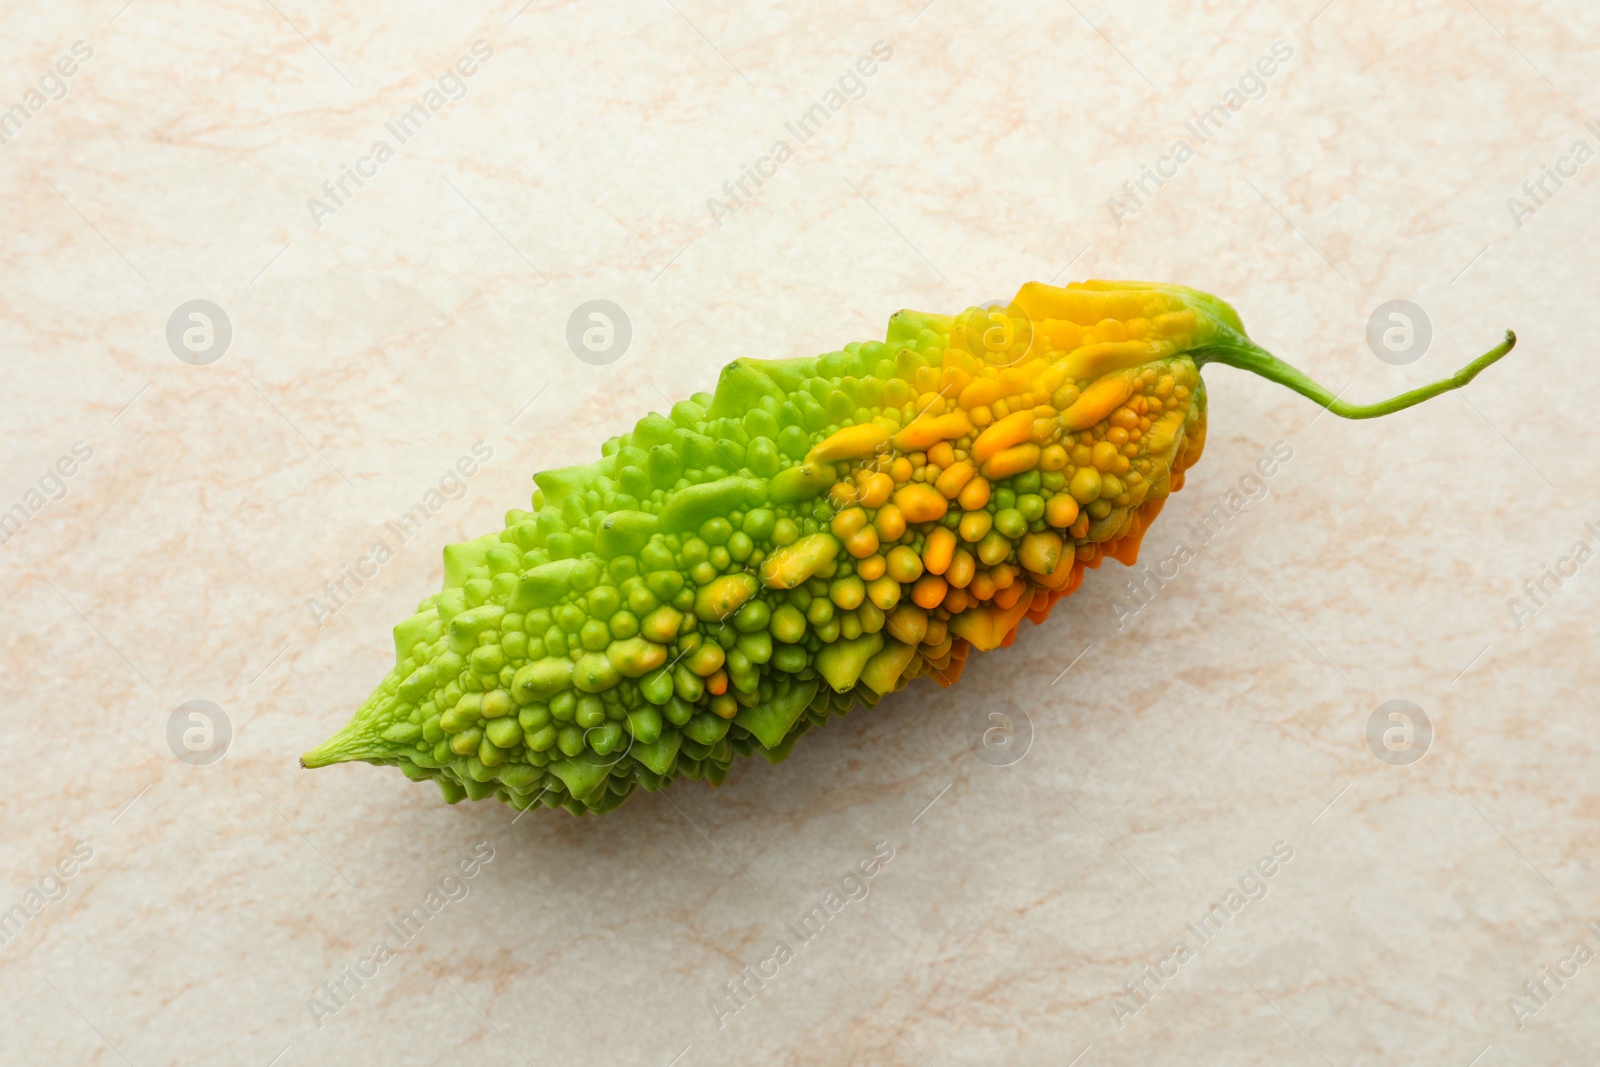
(1247, 356)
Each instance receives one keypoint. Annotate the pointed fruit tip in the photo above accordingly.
(353, 742)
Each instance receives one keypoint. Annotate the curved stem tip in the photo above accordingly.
(1247, 356)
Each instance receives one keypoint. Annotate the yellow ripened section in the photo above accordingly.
(1038, 439)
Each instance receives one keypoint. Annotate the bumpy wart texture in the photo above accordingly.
(816, 533)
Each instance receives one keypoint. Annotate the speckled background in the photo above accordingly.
(375, 342)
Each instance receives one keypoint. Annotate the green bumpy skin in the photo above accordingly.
(816, 534)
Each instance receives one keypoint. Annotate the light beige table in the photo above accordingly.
(381, 330)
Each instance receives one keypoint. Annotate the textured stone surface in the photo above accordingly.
(429, 311)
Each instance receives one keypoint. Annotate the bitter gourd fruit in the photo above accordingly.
(815, 534)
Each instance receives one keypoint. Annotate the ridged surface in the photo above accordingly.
(815, 533)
